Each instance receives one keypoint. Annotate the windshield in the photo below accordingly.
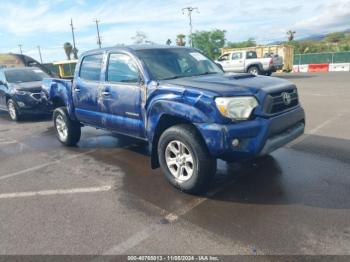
(176, 63)
(24, 75)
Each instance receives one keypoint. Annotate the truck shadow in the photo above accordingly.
(314, 172)
(26, 119)
(300, 174)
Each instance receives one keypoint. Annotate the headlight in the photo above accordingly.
(236, 108)
(22, 93)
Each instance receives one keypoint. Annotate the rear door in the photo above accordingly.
(121, 95)
(86, 90)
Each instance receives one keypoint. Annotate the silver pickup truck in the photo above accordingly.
(247, 61)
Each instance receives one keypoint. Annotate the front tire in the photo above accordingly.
(185, 160)
(68, 131)
(13, 110)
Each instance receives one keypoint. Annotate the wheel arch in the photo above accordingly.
(166, 121)
(258, 65)
(58, 102)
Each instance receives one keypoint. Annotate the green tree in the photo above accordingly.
(249, 43)
(335, 37)
(209, 42)
(180, 40)
(68, 49)
(140, 38)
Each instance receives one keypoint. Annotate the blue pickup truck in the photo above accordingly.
(189, 111)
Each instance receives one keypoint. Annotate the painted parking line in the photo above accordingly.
(7, 142)
(34, 168)
(153, 228)
(55, 192)
(315, 130)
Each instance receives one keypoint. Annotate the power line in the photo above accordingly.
(189, 10)
(98, 33)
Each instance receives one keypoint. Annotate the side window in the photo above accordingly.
(121, 68)
(224, 57)
(251, 55)
(90, 68)
(236, 56)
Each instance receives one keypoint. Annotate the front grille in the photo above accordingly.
(275, 103)
(36, 96)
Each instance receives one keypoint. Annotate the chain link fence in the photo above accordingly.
(322, 58)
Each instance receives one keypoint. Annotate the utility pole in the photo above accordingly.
(189, 11)
(20, 48)
(75, 50)
(41, 59)
(71, 25)
(98, 33)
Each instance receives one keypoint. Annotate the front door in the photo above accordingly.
(86, 90)
(121, 95)
(237, 64)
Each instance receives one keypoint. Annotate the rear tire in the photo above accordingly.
(268, 73)
(185, 160)
(254, 70)
(13, 110)
(68, 131)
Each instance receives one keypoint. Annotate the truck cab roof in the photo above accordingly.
(132, 48)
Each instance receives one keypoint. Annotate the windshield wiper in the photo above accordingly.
(171, 77)
(206, 73)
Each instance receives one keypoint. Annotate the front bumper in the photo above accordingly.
(26, 104)
(256, 137)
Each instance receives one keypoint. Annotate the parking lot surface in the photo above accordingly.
(102, 197)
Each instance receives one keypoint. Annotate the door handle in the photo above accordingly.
(76, 89)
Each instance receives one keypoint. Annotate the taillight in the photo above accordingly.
(271, 61)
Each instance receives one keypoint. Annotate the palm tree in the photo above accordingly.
(291, 35)
(180, 40)
(68, 49)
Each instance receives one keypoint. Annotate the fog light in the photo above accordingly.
(235, 142)
(21, 104)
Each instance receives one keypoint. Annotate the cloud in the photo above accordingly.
(329, 17)
(34, 22)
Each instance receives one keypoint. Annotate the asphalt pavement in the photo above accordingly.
(102, 197)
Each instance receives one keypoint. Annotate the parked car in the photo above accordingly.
(180, 102)
(20, 92)
(248, 61)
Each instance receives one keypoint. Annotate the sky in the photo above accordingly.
(46, 23)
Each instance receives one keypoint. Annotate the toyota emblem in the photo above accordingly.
(287, 99)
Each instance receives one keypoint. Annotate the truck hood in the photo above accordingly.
(33, 87)
(231, 84)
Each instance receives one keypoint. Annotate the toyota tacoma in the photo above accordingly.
(179, 101)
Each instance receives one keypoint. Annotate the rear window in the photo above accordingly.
(24, 75)
(91, 67)
(251, 55)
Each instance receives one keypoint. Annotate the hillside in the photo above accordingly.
(333, 42)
